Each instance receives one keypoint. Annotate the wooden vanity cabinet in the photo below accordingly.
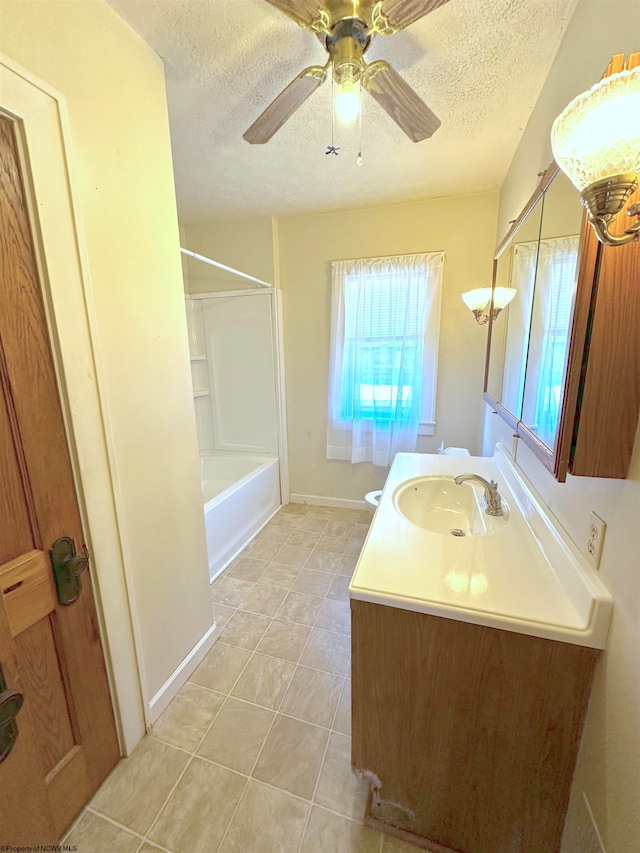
(468, 734)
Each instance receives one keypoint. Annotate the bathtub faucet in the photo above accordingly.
(492, 499)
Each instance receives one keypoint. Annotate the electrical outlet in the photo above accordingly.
(597, 529)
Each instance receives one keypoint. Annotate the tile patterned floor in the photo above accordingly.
(253, 755)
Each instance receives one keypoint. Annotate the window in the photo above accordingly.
(523, 276)
(384, 349)
(556, 279)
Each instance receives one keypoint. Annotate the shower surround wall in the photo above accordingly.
(235, 397)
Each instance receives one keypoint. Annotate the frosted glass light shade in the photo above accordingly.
(477, 299)
(503, 296)
(347, 103)
(598, 134)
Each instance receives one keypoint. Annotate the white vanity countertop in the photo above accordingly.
(527, 577)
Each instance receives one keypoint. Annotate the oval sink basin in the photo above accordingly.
(441, 506)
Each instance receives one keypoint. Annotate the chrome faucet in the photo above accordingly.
(492, 499)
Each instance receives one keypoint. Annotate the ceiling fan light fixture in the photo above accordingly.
(346, 28)
(347, 54)
(348, 63)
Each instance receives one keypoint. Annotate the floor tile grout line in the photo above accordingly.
(261, 750)
(271, 563)
(266, 707)
(333, 723)
(274, 618)
(194, 753)
(324, 755)
(200, 742)
(228, 695)
(315, 787)
(187, 765)
(278, 711)
(170, 794)
(328, 728)
(282, 589)
(270, 785)
(323, 598)
(326, 746)
(288, 620)
(297, 664)
(103, 816)
(267, 655)
(250, 776)
(75, 822)
(168, 743)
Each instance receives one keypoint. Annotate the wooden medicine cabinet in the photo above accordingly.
(563, 359)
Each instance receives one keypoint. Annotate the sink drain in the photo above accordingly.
(456, 531)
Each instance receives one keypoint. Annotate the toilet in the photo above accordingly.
(453, 451)
(372, 499)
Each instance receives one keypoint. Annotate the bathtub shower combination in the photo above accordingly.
(240, 493)
(235, 389)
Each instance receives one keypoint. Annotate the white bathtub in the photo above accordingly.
(240, 493)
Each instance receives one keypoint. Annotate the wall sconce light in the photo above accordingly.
(478, 301)
(596, 142)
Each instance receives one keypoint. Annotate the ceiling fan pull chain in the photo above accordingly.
(333, 109)
(331, 149)
(359, 158)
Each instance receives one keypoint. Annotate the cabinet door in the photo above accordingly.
(609, 399)
(468, 734)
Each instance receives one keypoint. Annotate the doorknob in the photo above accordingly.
(10, 704)
(67, 568)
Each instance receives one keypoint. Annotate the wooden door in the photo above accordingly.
(52, 654)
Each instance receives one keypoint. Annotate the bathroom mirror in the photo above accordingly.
(528, 345)
(515, 267)
(551, 311)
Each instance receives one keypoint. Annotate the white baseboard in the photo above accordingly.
(246, 544)
(316, 500)
(180, 675)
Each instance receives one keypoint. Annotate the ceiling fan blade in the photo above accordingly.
(285, 104)
(401, 13)
(304, 12)
(399, 100)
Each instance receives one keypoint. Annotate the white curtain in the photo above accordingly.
(384, 340)
(555, 284)
(519, 316)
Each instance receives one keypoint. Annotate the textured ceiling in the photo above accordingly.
(479, 65)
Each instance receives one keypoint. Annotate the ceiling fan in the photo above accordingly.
(346, 28)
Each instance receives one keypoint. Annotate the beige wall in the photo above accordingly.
(608, 769)
(244, 244)
(307, 245)
(114, 89)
